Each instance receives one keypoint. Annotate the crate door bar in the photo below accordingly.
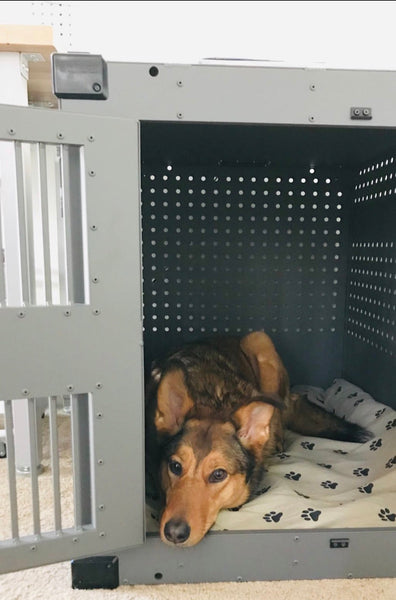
(2, 256)
(23, 242)
(9, 427)
(45, 222)
(81, 452)
(54, 445)
(33, 466)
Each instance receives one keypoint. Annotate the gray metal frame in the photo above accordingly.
(222, 94)
(92, 350)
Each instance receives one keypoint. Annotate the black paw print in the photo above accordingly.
(391, 462)
(358, 402)
(308, 445)
(262, 491)
(310, 514)
(391, 424)
(352, 395)
(273, 517)
(340, 452)
(379, 413)
(283, 455)
(338, 390)
(375, 445)
(329, 485)
(293, 475)
(367, 489)
(386, 515)
(325, 466)
(361, 471)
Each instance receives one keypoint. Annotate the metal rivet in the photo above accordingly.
(21, 314)
(33, 548)
(100, 461)
(25, 392)
(101, 506)
(91, 138)
(312, 87)
(239, 579)
(96, 312)
(96, 87)
(91, 173)
(99, 415)
(60, 136)
(70, 387)
(295, 562)
(125, 581)
(102, 534)
(180, 83)
(311, 119)
(296, 538)
(179, 115)
(75, 540)
(99, 385)
(349, 576)
(11, 131)
(67, 313)
(95, 279)
(94, 228)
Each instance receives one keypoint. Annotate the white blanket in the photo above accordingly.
(323, 483)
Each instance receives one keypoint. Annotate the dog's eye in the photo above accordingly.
(217, 475)
(175, 467)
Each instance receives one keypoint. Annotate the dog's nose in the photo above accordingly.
(177, 531)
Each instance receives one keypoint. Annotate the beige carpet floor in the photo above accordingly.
(54, 581)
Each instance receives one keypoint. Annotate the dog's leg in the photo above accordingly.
(269, 370)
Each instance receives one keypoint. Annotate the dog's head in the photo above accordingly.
(206, 463)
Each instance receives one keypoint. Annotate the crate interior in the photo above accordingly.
(289, 229)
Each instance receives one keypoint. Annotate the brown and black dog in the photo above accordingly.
(215, 411)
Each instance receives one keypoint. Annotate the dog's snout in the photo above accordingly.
(177, 531)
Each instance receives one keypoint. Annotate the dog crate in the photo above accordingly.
(267, 201)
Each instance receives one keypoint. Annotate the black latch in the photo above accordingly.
(79, 76)
(339, 543)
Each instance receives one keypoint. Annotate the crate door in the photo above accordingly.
(71, 385)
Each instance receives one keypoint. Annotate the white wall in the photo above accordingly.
(339, 34)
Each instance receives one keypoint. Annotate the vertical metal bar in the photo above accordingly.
(60, 221)
(9, 427)
(33, 466)
(30, 170)
(76, 453)
(55, 462)
(45, 222)
(23, 244)
(2, 258)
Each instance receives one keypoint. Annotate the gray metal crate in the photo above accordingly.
(267, 201)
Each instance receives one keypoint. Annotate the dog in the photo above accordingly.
(216, 410)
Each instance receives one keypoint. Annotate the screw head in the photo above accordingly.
(96, 87)
(96, 312)
(179, 115)
(94, 227)
(21, 314)
(91, 138)
(180, 83)
(91, 173)
(99, 385)
(95, 279)
(70, 387)
(67, 313)
(11, 131)
(25, 392)
(60, 135)
(311, 119)
(312, 87)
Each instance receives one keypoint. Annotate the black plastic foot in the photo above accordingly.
(95, 572)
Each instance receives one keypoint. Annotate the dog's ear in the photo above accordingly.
(173, 403)
(253, 425)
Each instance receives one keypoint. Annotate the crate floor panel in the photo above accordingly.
(321, 483)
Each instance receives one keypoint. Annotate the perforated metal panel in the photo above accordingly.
(230, 249)
(370, 346)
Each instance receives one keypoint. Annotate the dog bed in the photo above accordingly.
(324, 483)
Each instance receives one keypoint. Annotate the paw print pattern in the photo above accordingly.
(367, 489)
(283, 455)
(379, 413)
(353, 395)
(361, 471)
(391, 424)
(273, 517)
(293, 475)
(310, 514)
(391, 463)
(386, 515)
(329, 485)
(325, 466)
(375, 445)
(308, 445)
(340, 452)
(338, 390)
(358, 402)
